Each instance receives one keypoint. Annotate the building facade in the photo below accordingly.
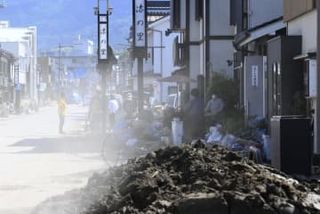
(7, 61)
(22, 43)
(256, 23)
(301, 20)
(207, 38)
(158, 62)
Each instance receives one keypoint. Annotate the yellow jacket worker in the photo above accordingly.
(62, 105)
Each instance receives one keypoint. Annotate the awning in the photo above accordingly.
(260, 32)
(310, 55)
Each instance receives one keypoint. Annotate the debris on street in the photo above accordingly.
(196, 179)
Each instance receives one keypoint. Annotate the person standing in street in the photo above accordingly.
(113, 107)
(62, 105)
(193, 116)
(213, 108)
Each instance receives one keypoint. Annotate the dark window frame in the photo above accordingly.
(199, 9)
(176, 13)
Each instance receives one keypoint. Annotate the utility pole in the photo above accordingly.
(59, 69)
(140, 44)
(104, 60)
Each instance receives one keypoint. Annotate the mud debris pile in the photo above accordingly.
(195, 179)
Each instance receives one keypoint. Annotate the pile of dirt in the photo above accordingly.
(195, 179)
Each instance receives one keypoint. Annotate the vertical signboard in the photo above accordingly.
(254, 75)
(103, 37)
(312, 78)
(139, 24)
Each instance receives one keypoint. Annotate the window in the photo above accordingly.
(178, 53)
(199, 9)
(276, 88)
(245, 17)
(175, 11)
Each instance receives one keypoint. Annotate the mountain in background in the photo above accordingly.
(62, 21)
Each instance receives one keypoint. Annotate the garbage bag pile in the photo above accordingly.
(196, 179)
(246, 145)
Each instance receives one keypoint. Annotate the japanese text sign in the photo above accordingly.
(103, 37)
(254, 75)
(139, 12)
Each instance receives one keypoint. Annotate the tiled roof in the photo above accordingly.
(158, 7)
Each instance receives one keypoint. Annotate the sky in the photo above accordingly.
(61, 21)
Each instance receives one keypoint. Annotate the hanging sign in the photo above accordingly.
(139, 24)
(103, 37)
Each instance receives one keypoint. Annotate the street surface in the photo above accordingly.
(36, 162)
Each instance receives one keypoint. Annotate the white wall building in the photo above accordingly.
(207, 37)
(160, 60)
(22, 43)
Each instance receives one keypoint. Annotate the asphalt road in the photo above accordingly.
(36, 162)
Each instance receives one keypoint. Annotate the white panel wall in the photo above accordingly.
(306, 26)
(163, 57)
(220, 52)
(194, 24)
(262, 11)
(220, 18)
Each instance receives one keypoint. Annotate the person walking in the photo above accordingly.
(193, 116)
(62, 105)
